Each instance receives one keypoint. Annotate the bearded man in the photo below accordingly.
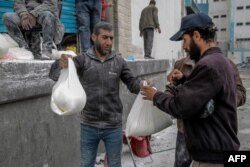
(213, 77)
(100, 71)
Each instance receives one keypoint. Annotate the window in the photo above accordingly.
(223, 16)
(201, 1)
(240, 8)
(243, 39)
(216, 0)
(247, 23)
(248, 7)
(216, 16)
(239, 24)
(223, 29)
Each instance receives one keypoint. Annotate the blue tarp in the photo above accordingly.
(68, 16)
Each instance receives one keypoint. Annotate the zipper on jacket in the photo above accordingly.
(102, 93)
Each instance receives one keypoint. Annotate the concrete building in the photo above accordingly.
(233, 23)
(202, 5)
(242, 24)
(219, 11)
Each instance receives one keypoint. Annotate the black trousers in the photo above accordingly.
(148, 37)
(182, 156)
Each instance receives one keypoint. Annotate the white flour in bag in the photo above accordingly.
(145, 119)
(68, 96)
(21, 53)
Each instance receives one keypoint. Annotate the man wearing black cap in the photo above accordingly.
(212, 78)
(149, 22)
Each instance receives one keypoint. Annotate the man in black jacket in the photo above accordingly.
(100, 71)
(212, 78)
(186, 65)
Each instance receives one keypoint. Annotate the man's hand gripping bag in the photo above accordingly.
(145, 119)
(68, 96)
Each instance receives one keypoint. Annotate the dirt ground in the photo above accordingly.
(163, 143)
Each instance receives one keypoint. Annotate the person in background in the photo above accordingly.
(105, 6)
(100, 71)
(88, 14)
(186, 65)
(213, 77)
(35, 16)
(148, 23)
(182, 156)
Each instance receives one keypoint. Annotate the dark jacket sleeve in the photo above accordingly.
(140, 23)
(191, 98)
(56, 69)
(155, 16)
(240, 89)
(79, 63)
(132, 82)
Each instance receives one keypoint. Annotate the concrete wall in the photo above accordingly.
(31, 134)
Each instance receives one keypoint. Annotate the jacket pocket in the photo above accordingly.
(113, 80)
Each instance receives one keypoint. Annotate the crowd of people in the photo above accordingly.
(205, 75)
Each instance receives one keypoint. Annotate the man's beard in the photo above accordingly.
(100, 50)
(195, 51)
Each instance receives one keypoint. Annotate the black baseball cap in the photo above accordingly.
(195, 20)
(152, 1)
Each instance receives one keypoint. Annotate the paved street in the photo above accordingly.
(244, 113)
(163, 143)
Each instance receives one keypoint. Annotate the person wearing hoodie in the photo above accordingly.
(100, 71)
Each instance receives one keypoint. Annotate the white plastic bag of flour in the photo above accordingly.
(68, 96)
(145, 119)
(20, 53)
(6, 43)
